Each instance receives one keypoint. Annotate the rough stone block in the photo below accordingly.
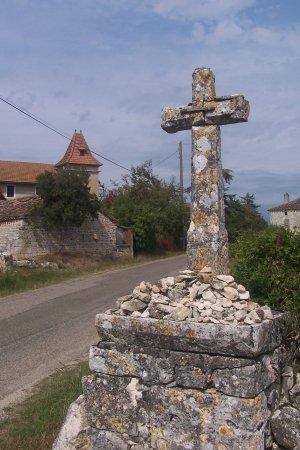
(146, 367)
(73, 431)
(173, 418)
(285, 425)
(231, 339)
(248, 381)
(242, 377)
(188, 419)
(99, 440)
(115, 404)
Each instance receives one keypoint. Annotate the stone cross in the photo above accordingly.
(207, 242)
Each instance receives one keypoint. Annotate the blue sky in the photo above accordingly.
(109, 66)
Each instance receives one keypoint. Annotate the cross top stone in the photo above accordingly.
(206, 108)
(207, 242)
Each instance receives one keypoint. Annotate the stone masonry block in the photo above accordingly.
(249, 380)
(115, 404)
(243, 377)
(145, 367)
(188, 419)
(174, 418)
(231, 339)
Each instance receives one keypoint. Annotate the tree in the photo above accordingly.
(241, 213)
(67, 200)
(152, 207)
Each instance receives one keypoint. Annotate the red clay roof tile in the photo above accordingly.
(294, 205)
(22, 172)
(17, 209)
(78, 152)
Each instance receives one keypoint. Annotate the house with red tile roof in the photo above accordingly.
(21, 238)
(287, 214)
(18, 179)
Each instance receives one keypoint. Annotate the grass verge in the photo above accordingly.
(34, 424)
(21, 279)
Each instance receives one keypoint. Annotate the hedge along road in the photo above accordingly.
(48, 328)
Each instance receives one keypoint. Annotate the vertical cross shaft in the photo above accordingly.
(207, 243)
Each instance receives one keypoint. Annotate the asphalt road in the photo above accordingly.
(48, 328)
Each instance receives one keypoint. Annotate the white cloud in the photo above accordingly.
(108, 67)
(200, 9)
(265, 36)
(224, 31)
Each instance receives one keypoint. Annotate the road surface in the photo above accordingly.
(48, 328)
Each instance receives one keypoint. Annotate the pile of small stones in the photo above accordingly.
(193, 297)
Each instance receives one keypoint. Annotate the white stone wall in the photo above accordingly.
(21, 190)
(290, 220)
(9, 236)
(95, 237)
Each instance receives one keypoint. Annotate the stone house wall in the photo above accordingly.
(21, 189)
(287, 219)
(95, 237)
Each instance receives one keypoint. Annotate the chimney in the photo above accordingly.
(286, 198)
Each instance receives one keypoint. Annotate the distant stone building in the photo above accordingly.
(18, 179)
(287, 214)
(24, 240)
(79, 156)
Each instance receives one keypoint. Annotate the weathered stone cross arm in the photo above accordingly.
(218, 111)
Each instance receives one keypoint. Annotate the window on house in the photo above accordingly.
(285, 213)
(82, 152)
(10, 191)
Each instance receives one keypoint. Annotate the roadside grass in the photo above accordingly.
(20, 279)
(34, 424)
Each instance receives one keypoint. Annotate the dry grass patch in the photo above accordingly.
(21, 279)
(34, 424)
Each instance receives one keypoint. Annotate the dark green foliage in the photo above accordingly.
(67, 200)
(152, 207)
(241, 214)
(268, 263)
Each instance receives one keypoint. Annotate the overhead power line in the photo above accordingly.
(165, 159)
(55, 130)
(18, 108)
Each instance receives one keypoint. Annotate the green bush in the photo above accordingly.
(152, 207)
(268, 264)
(67, 200)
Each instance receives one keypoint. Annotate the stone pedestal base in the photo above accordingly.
(217, 392)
